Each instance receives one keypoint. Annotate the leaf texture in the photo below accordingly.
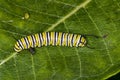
(19, 18)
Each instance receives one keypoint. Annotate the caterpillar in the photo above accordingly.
(50, 38)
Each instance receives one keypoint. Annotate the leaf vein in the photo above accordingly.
(80, 70)
(19, 16)
(63, 58)
(107, 16)
(48, 14)
(68, 15)
(17, 72)
(33, 68)
(49, 58)
(108, 53)
(60, 2)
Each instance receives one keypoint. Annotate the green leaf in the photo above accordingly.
(19, 18)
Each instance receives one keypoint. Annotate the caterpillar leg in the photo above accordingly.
(32, 51)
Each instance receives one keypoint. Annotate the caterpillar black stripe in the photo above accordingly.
(50, 38)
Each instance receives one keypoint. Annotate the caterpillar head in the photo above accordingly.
(83, 42)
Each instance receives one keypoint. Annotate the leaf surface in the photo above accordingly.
(19, 18)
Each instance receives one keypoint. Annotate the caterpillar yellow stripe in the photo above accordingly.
(50, 38)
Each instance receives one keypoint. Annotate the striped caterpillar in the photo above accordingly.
(50, 38)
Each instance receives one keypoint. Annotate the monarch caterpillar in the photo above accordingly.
(50, 38)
